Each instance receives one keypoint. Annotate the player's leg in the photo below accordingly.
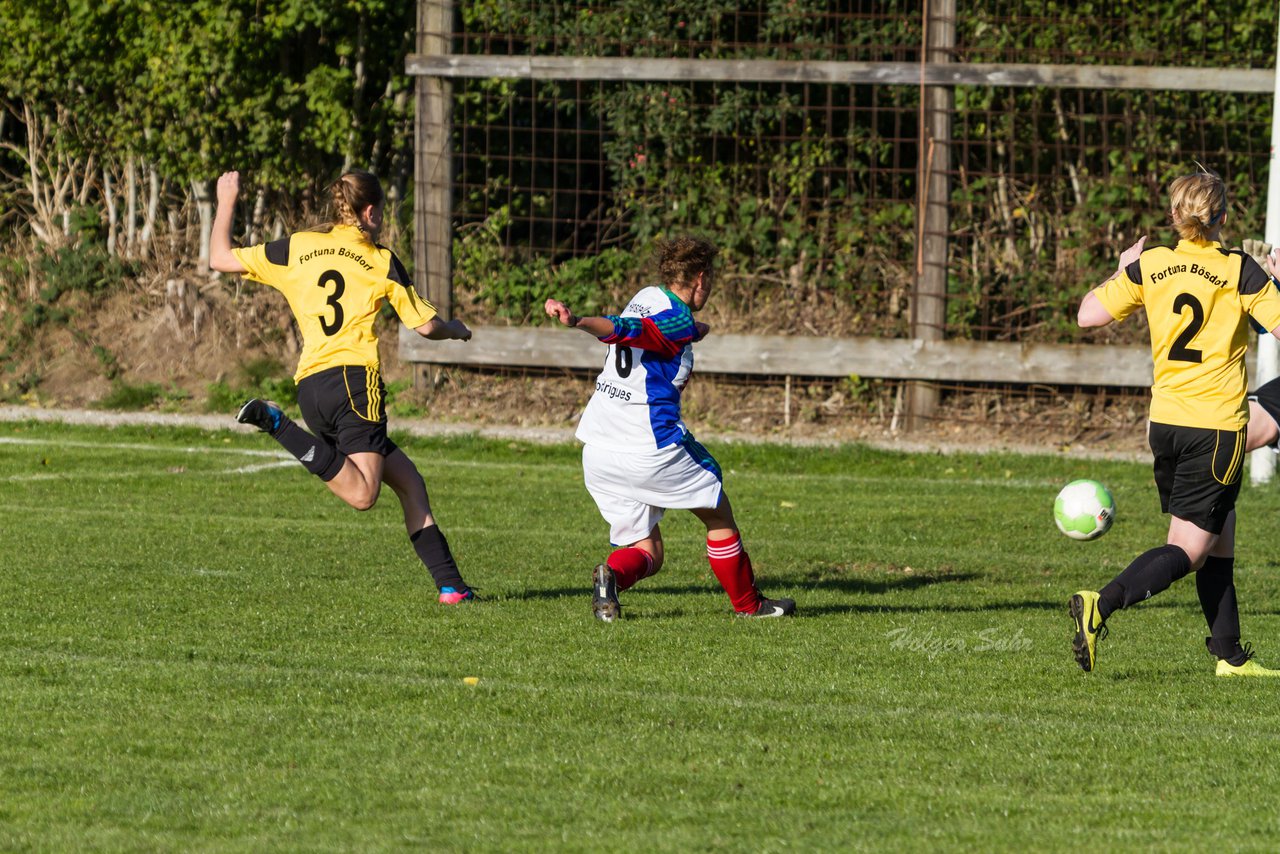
(343, 408)
(1197, 474)
(428, 541)
(316, 455)
(1264, 416)
(732, 565)
(625, 566)
(612, 478)
(1148, 574)
(637, 561)
(359, 481)
(1215, 586)
(1263, 429)
(725, 552)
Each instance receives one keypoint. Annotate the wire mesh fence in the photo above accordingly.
(813, 189)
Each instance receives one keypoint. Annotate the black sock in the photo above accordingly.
(1150, 573)
(1215, 582)
(433, 550)
(320, 458)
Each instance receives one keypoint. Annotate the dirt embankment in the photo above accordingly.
(182, 336)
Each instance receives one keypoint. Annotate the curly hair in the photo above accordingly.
(1197, 204)
(680, 259)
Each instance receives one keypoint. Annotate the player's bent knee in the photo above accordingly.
(362, 500)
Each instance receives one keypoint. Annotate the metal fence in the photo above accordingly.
(937, 170)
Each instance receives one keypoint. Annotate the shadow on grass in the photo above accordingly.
(584, 591)
(865, 584)
(871, 608)
(855, 586)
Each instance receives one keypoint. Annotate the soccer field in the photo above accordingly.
(200, 648)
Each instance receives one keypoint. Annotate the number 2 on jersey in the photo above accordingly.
(1180, 352)
(339, 285)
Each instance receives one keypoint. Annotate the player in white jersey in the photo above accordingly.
(639, 459)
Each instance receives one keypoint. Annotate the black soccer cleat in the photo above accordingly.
(604, 595)
(262, 414)
(772, 608)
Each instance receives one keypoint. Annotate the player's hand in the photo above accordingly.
(228, 188)
(1273, 263)
(700, 330)
(1131, 254)
(460, 330)
(1258, 250)
(560, 311)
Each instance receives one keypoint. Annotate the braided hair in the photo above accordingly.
(354, 192)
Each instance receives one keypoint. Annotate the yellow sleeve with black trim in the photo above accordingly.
(1119, 295)
(409, 305)
(1258, 295)
(258, 265)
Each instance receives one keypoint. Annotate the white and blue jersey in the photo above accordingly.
(636, 405)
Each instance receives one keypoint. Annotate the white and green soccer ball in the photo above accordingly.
(1084, 510)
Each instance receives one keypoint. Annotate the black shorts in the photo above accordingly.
(345, 406)
(1198, 472)
(1268, 397)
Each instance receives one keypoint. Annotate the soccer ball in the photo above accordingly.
(1084, 510)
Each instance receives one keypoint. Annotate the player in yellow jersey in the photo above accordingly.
(1198, 297)
(336, 281)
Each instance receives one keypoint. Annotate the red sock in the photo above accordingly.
(629, 565)
(732, 566)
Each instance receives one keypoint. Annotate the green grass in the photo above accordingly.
(198, 656)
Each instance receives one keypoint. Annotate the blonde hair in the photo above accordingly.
(1197, 204)
(682, 258)
(352, 193)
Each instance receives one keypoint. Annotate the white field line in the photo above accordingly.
(136, 446)
(279, 459)
(127, 475)
(425, 466)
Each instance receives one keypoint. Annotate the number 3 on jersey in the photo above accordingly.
(330, 327)
(1180, 352)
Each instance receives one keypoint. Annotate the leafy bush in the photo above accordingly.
(128, 397)
(262, 378)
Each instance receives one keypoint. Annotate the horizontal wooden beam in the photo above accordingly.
(1259, 80)
(783, 355)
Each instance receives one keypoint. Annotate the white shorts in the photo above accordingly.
(633, 490)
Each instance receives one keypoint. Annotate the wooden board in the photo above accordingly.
(782, 355)
(1259, 80)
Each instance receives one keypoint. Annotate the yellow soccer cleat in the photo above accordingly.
(1090, 629)
(1248, 668)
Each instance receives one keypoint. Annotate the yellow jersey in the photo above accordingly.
(1197, 296)
(336, 282)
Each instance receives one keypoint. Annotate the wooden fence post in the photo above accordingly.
(433, 166)
(929, 302)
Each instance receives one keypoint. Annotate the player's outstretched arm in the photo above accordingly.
(600, 327)
(444, 330)
(221, 258)
(1092, 312)
(1273, 263)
